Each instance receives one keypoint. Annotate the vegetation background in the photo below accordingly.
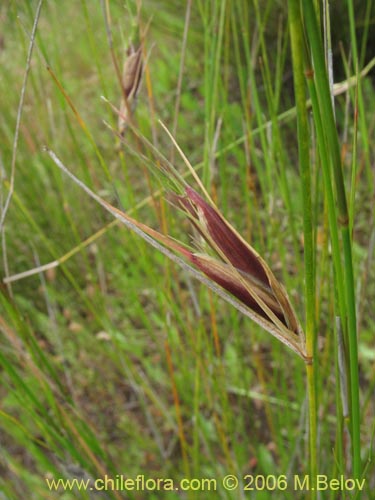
(116, 361)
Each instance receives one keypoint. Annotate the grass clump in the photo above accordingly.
(114, 359)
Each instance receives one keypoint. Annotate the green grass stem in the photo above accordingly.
(332, 144)
(297, 45)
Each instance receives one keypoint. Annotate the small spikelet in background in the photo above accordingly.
(131, 82)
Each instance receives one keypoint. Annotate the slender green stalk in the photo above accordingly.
(332, 144)
(335, 240)
(360, 103)
(296, 36)
(213, 16)
(264, 168)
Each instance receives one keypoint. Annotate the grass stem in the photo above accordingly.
(296, 35)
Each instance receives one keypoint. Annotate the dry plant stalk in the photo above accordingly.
(131, 82)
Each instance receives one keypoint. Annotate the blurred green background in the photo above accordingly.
(116, 361)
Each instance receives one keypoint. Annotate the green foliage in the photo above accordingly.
(115, 361)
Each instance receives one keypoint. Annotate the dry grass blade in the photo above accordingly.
(5, 207)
